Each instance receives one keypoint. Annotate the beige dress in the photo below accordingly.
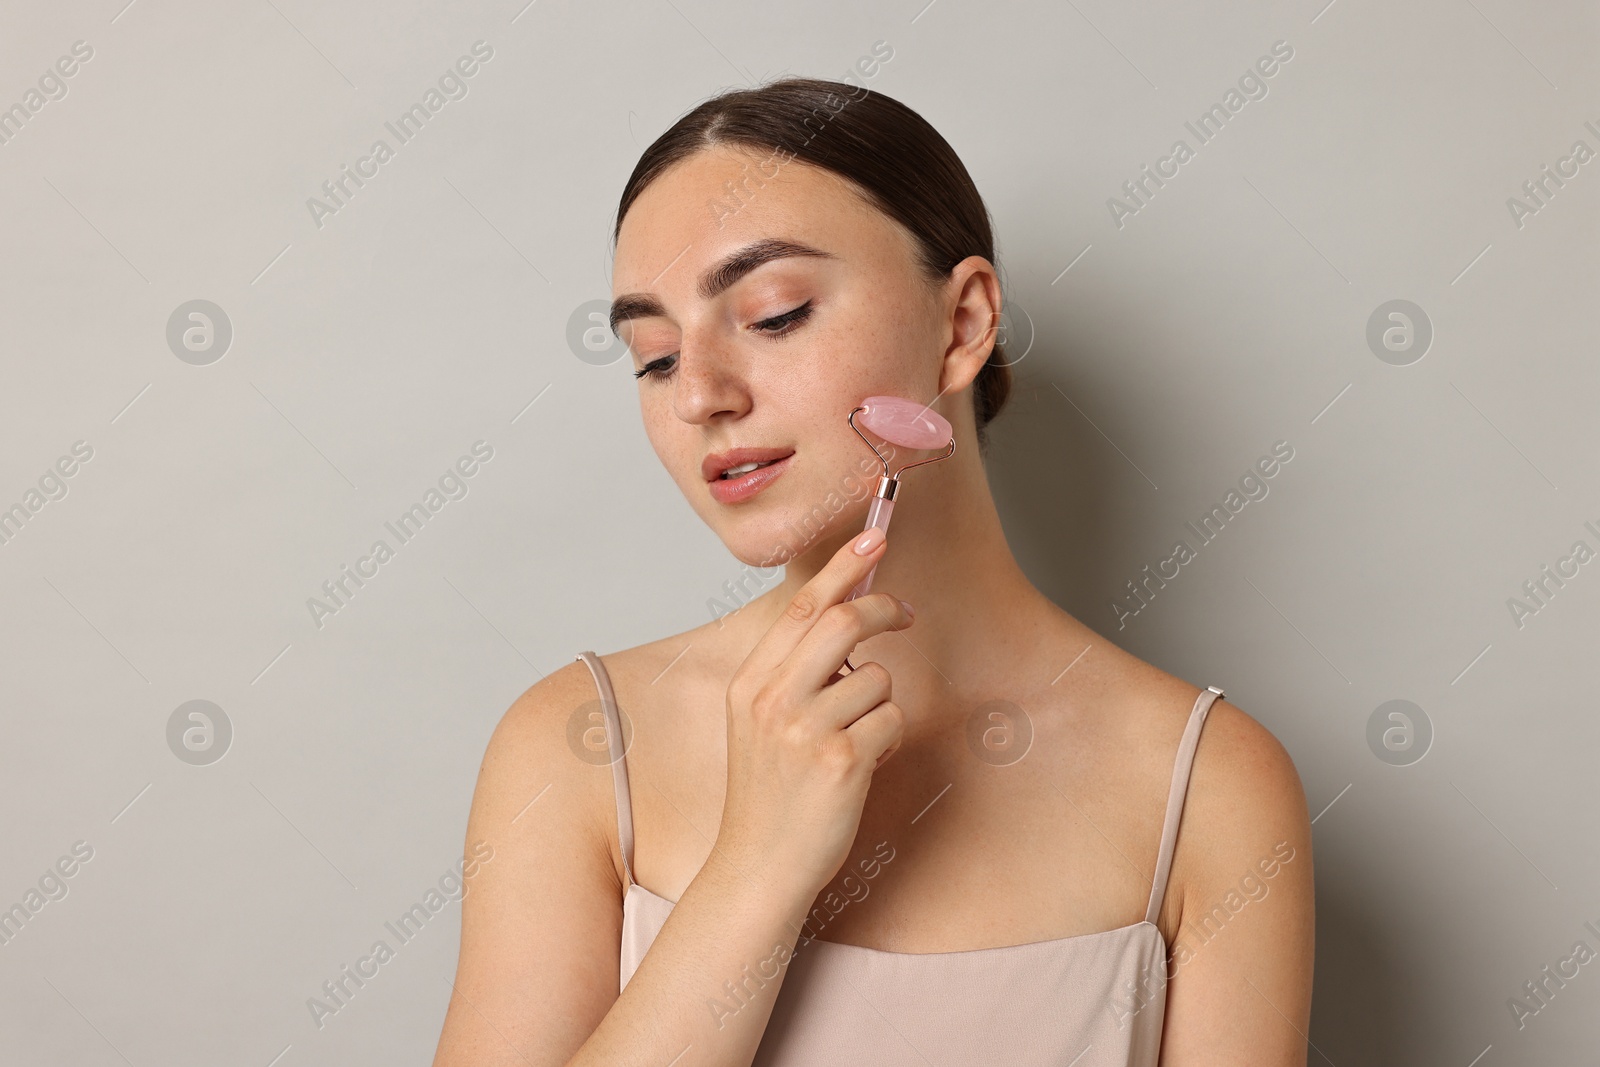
(1093, 1000)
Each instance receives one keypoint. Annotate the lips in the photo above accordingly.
(732, 490)
(714, 465)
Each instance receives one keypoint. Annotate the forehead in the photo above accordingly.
(722, 198)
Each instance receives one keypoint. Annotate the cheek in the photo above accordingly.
(814, 382)
(890, 345)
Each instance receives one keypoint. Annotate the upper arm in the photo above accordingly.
(541, 920)
(1239, 986)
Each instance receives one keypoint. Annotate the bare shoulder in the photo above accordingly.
(546, 776)
(1244, 820)
(1241, 763)
(554, 733)
(1244, 797)
(538, 717)
(543, 703)
(1239, 915)
(531, 767)
(545, 725)
(540, 914)
(549, 752)
(1244, 787)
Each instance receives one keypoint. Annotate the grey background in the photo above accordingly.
(431, 312)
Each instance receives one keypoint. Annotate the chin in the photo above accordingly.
(770, 540)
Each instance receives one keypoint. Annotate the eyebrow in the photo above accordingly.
(717, 279)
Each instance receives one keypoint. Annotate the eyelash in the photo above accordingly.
(787, 323)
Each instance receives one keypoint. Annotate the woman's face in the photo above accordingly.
(765, 301)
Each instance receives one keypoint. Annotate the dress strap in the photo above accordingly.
(1180, 787)
(616, 751)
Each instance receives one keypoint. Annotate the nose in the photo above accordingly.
(709, 383)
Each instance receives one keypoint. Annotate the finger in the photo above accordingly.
(878, 733)
(839, 705)
(823, 649)
(825, 589)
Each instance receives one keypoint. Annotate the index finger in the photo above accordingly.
(827, 587)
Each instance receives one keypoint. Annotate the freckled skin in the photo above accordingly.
(874, 330)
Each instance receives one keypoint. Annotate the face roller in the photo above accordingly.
(909, 425)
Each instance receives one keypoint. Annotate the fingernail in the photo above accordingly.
(907, 607)
(869, 541)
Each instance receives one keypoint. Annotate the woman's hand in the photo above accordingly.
(802, 742)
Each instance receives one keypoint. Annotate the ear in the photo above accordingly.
(972, 302)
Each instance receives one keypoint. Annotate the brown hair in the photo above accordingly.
(902, 164)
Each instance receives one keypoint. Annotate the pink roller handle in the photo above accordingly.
(877, 515)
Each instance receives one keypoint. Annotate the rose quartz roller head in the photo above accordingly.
(910, 425)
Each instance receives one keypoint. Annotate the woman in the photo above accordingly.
(966, 849)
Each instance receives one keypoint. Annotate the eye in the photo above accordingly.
(653, 369)
(779, 325)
